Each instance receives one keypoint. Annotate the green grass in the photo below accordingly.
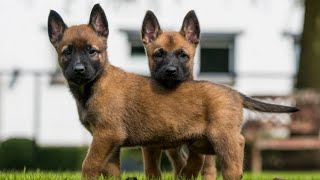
(39, 175)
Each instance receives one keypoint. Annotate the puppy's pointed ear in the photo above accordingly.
(150, 28)
(190, 28)
(98, 21)
(56, 27)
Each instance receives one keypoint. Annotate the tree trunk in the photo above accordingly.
(309, 68)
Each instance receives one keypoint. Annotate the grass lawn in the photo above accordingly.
(269, 175)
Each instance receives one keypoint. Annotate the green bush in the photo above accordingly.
(16, 153)
(60, 158)
(20, 153)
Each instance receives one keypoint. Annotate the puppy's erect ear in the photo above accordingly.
(56, 27)
(191, 28)
(150, 28)
(98, 21)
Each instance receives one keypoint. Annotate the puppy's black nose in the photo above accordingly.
(79, 68)
(171, 71)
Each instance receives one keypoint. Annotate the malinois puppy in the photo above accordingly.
(123, 109)
(172, 67)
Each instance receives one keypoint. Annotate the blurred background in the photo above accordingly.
(268, 49)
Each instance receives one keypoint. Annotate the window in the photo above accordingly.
(217, 57)
(137, 51)
(137, 61)
(214, 60)
(296, 45)
(297, 50)
(136, 47)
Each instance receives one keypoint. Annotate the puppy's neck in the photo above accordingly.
(82, 93)
(172, 83)
(169, 83)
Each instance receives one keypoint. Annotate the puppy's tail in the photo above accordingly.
(255, 105)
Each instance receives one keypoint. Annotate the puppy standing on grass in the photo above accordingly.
(123, 109)
(170, 64)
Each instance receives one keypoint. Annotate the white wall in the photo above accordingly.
(265, 61)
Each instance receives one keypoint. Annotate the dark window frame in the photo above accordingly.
(214, 60)
(219, 41)
(296, 38)
(138, 61)
(134, 40)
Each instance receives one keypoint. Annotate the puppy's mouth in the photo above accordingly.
(83, 79)
(172, 77)
(80, 80)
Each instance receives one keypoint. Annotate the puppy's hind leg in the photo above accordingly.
(151, 161)
(193, 167)
(177, 159)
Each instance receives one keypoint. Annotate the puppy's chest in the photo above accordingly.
(87, 119)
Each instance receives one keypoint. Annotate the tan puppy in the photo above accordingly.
(170, 69)
(122, 109)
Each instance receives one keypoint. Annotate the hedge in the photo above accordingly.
(60, 158)
(16, 153)
(20, 153)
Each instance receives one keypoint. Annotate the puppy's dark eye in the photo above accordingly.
(92, 51)
(67, 51)
(183, 56)
(158, 54)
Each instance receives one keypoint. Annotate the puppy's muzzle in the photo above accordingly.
(171, 71)
(79, 69)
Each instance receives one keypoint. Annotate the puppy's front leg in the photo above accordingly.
(101, 148)
(209, 171)
(112, 164)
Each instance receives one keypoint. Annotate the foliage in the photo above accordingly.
(16, 153)
(60, 158)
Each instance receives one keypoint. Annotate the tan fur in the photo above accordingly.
(130, 110)
(126, 109)
(123, 109)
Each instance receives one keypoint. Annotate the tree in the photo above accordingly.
(309, 68)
